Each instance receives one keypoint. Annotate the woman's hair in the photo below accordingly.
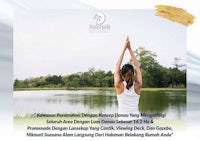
(129, 70)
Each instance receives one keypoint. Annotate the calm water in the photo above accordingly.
(88, 101)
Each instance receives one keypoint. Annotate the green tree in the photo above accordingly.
(73, 80)
(55, 80)
(153, 74)
(18, 83)
(41, 82)
(149, 67)
(99, 78)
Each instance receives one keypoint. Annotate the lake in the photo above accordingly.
(173, 104)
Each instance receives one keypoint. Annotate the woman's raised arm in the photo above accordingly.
(117, 79)
(138, 81)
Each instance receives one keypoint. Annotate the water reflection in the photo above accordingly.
(92, 101)
(29, 102)
(163, 102)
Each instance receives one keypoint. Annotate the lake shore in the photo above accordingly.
(97, 88)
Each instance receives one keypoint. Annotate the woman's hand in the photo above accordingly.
(127, 43)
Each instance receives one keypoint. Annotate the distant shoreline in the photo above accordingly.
(98, 88)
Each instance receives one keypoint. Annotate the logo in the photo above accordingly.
(99, 24)
(99, 18)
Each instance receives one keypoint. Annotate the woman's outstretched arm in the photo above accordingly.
(138, 81)
(117, 79)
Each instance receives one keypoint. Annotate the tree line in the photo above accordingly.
(153, 75)
(91, 78)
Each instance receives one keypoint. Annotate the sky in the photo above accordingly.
(59, 41)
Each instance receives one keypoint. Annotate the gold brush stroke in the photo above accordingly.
(175, 14)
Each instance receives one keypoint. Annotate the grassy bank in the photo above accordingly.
(99, 88)
(67, 88)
